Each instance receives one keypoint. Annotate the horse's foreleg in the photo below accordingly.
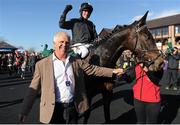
(107, 95)
(88, 112)
(86, 116)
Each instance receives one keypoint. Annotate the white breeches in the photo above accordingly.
(81, 49)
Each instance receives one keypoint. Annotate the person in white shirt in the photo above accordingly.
(60, 79)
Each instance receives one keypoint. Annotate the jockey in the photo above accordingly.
(83, 30)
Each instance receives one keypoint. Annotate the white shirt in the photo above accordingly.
(62, 74)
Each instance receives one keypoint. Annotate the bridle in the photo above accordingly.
(143, 52)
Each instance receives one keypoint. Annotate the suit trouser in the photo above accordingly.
(64, 113)
(146, 113)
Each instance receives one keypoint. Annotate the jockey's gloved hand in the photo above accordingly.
(67, 9)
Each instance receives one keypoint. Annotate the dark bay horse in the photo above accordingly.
(135, 37)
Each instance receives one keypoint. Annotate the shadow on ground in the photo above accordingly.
(169, 108)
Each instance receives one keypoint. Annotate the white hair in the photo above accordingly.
(60, 34)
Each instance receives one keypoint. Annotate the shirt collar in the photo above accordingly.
(55, 58)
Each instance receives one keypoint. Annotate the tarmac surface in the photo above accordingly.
(13, 89)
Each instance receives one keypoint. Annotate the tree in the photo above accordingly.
(30, 50)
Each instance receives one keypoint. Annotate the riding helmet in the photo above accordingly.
(86, 6)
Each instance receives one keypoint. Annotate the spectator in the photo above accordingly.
(61, 100)
(83, 30)
(32, 62)
(24, 64)
(46, 52)
(4, 61)
(147, 100)
(18, 63)
(10, 63)
(172, 69)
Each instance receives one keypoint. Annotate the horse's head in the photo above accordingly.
(141, 43)
(135, 37)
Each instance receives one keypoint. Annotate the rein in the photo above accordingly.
(150, 62)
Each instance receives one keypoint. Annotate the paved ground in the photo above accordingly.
(12, 90)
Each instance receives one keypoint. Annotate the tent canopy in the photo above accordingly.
(6, 48)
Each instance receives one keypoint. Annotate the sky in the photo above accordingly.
(32, 23)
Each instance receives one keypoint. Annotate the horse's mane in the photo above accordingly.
(117, 29)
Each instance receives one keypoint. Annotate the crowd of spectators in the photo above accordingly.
(17, 63)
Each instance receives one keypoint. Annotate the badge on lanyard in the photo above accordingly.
(67, 83)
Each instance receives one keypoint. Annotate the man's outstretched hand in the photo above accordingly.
(118, 71)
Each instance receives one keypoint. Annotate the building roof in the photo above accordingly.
(107, 30)
(164, 21)
(104, 32)
(5, 45)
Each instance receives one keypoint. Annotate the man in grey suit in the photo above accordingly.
(60, 79)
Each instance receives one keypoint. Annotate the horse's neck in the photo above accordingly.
(104, 54)
(108, 49)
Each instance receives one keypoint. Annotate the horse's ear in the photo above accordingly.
(142, 21)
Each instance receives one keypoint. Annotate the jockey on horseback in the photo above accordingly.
(83, 30)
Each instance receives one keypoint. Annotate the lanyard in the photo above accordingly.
(67, 82)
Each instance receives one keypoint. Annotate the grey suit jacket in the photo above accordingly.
(43, 81)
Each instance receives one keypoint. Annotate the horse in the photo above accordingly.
(105, 52)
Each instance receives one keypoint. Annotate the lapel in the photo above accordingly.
(49, 71)
(72, 60)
